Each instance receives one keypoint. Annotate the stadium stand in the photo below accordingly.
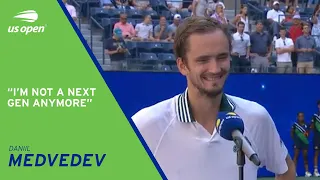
(97, 19)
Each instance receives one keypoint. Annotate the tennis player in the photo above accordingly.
(299, 134)
(315, 126)
(181, 132)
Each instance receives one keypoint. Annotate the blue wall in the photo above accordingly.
(282, 95)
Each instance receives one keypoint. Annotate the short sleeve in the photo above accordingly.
(137, 28)
(271, 149)
(249, 41)
(157, 29)
(108, 44)
(290, 42)
(269, 14)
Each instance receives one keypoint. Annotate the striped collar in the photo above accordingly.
(184, 112)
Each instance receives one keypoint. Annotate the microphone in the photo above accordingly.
(230, 127)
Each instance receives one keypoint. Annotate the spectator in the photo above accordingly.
(144, 30)
(219, 15)
(126, 4)
(106, 4)
(260, 50)
(71, 9)
(175, 5)
(275, 17)
(311, 2)
(295, 31)
(316, 25)
(284, 46)
(240, 49)
(305, 47)
(294, 3)
(163, 31)
(214, 3)
(115, 48)
(175, 24)
(143, 4)
(290, 12)
(199, 7)
(127, 29)
(243, 17)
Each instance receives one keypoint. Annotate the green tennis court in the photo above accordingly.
(298, 178)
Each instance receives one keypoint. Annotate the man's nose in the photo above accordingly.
(214, 66)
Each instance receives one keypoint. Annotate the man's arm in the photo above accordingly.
(291, 173)
(270, 148)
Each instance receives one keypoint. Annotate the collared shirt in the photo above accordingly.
(127, 29)
(284, 43)
(165, 33)
(218, 18)
(201, 7)
(307, 42)
(240, 43)
(72, 10)
(143, 30)
(185, 150)
(260, 42)
(277, 16)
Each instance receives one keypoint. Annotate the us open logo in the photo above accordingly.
(28, 16)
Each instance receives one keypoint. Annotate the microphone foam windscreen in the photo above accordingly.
(227, 123)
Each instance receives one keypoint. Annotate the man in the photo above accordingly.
(240, 49)
(315, 126)
(162, 31)
(144, 30)
(275, 17)
(115, 48)
(295, 31)
(305, 47)
(175, 24)
(71, 9)
(214, 3)
(181, 132)
(127, 29)
(199, 7)
(260, 50)
(284, 46)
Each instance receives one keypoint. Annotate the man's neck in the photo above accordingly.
(204, 109)
(306, 34)
(240, 32)
(283, 37)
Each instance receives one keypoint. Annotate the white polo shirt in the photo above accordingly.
(283, 43)
(186, 151)
(277, 16)
(143, 30)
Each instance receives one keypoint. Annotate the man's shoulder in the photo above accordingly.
(158, 114)
(253, 111)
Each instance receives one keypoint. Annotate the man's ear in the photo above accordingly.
(182, 66)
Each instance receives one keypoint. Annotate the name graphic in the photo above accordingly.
(61, 160)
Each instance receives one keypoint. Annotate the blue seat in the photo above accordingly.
(131, 46)
(107, 25)
(167, 14)
(152, 13)
(135, 13)
(150, 58)
(168, 58)
(185, 13)
(115, 13)
(167, 47)
(142, 47)
(132, 21)
(154, 47)
(165, 68)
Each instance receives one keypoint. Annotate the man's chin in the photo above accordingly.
(212, 92)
